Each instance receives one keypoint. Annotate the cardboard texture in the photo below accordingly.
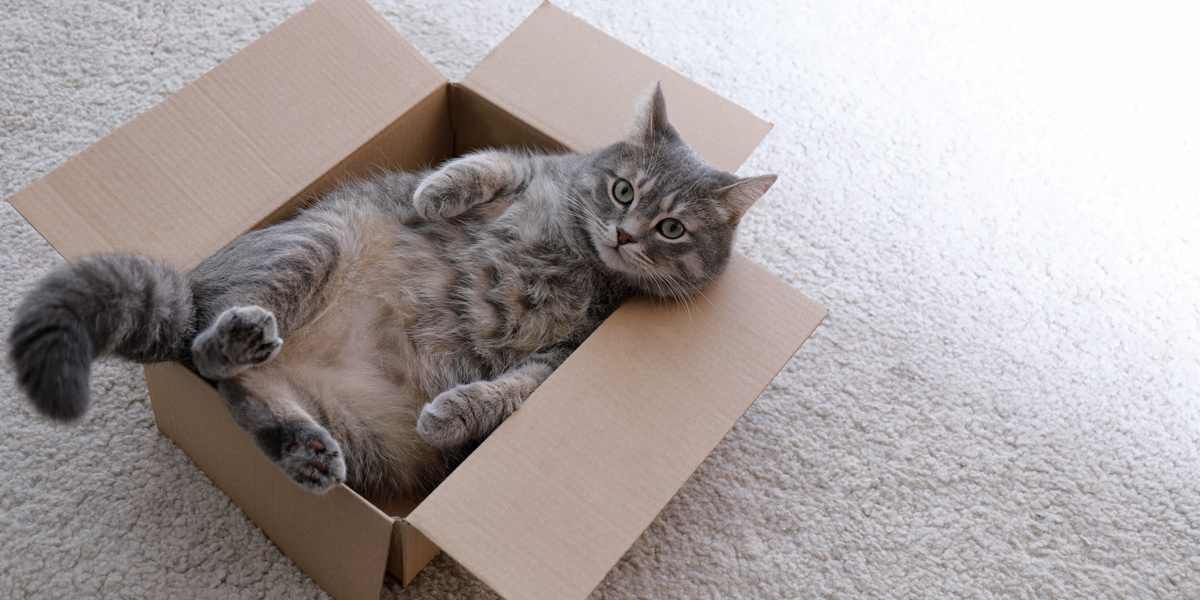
(334, 93)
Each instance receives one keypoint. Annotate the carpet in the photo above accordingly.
(996, 202)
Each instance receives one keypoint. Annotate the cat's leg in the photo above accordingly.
(462, 183)
(469, 412)
(284, 431)
(260, 287)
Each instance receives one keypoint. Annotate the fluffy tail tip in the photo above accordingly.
(53, 366)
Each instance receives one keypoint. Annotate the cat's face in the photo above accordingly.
(659, 216)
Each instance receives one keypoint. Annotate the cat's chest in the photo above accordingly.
(492, 288)
(527, 299)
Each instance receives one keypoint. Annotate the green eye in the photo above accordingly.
(622, 191)
(671, 228)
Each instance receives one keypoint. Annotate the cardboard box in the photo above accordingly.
(549, 503)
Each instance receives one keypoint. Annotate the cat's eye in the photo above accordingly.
(671, 228)
(622, 191)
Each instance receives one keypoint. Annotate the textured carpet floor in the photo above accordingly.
(997, 204)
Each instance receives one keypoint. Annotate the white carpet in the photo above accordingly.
(997, 204)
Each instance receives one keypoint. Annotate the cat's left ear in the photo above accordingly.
(651, 122)
(742, 194)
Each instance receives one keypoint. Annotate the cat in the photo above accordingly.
(402, 317)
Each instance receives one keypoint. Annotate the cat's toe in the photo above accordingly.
(312, 458)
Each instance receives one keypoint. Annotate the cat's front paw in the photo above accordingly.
(309, 455)
(440, 196)
(451, 420)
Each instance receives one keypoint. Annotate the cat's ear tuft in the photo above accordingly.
(651, 123)
(743, 193)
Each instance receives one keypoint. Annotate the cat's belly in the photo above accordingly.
(350, 370)
(359, 339)
(416, 310)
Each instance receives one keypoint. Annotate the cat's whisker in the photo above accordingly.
(673, 289)
(641, 254)
(688, 299)
(664, 290)
(641, 257)
(576, 206)
(586, 218)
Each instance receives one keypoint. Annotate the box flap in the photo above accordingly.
(575, 84)
(552, 499)
(210, 162)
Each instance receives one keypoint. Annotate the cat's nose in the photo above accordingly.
(623, 237)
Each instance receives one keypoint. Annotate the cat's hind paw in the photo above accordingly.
(307, 454)
(242, 337)
(248, 335)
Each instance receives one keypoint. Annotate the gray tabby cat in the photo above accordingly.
(419, 309)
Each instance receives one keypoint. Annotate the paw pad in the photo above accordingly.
(312, 458)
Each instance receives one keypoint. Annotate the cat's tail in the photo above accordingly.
(131, 306)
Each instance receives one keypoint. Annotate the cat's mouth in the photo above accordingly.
(622, 258)
(611, 254)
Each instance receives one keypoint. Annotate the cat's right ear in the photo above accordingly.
(651, 124)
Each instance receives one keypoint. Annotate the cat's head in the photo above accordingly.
(656, 214)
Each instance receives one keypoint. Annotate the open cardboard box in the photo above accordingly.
(549, 503)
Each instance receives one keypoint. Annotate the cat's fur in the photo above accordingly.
(419, 309)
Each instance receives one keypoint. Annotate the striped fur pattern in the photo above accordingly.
(383, 331)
